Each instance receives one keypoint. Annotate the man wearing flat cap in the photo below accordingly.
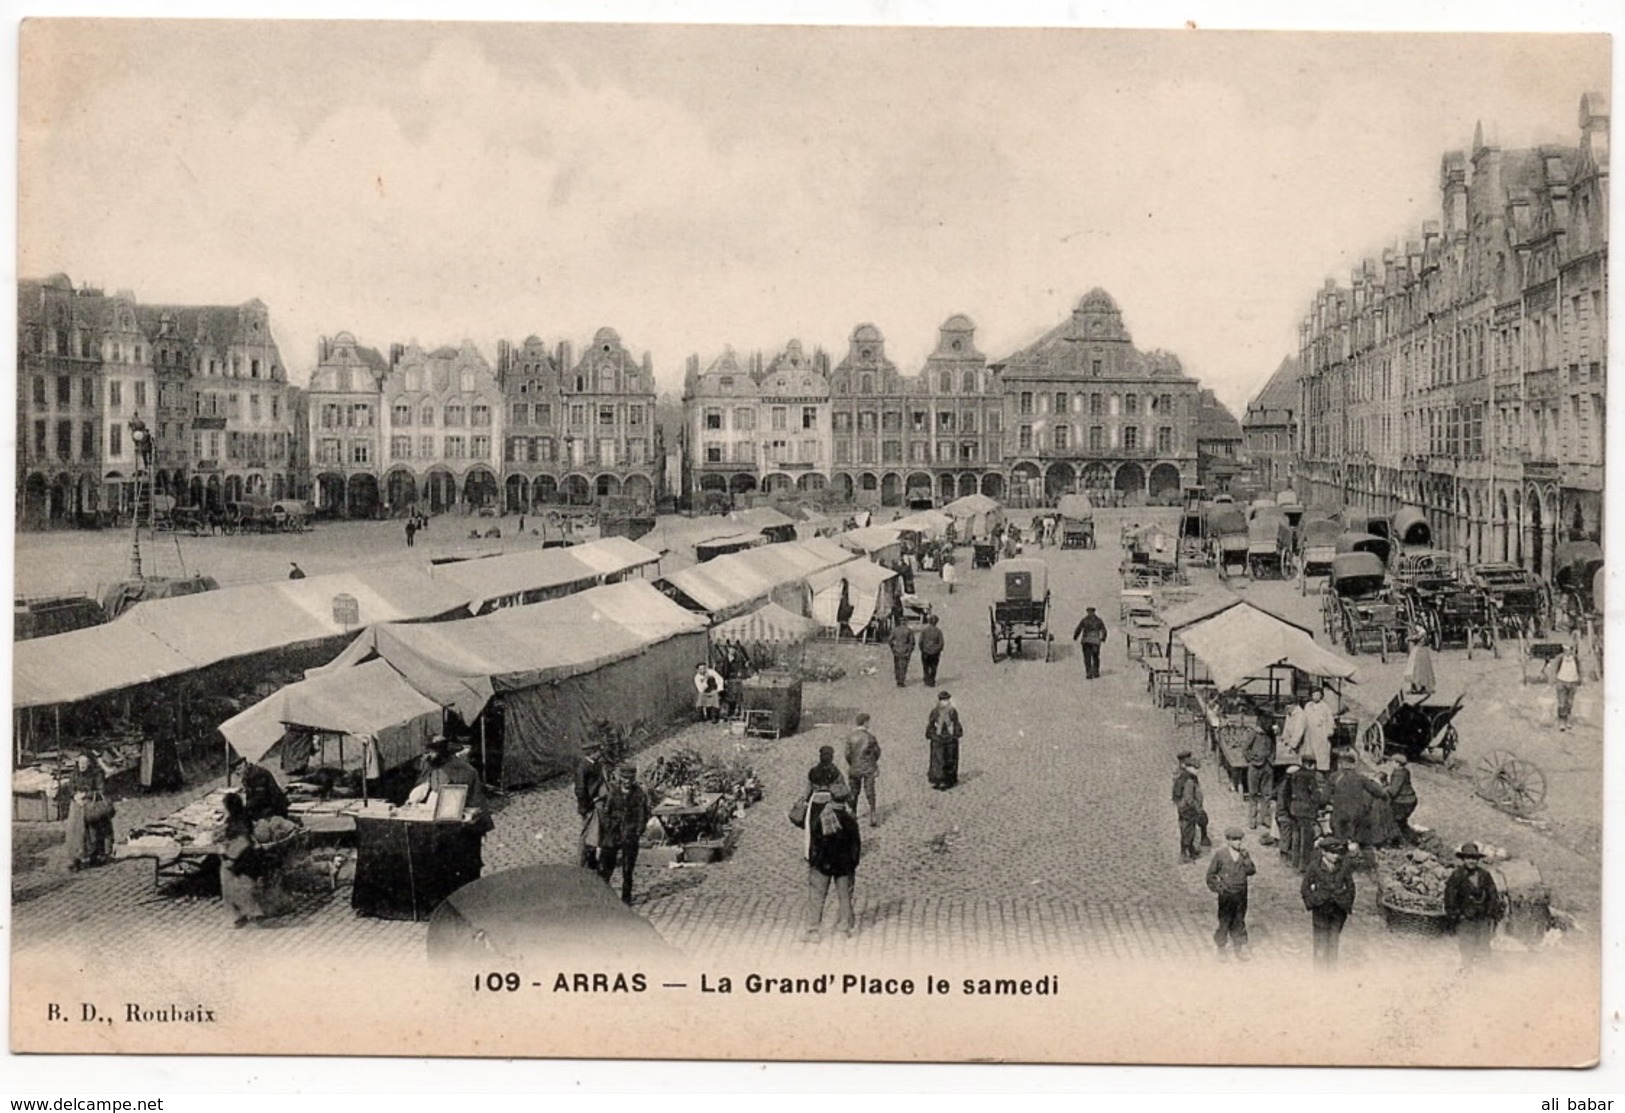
(1187, 797)
(1472, 905)
(1302, 795)
(1227, 875)
(623, 812)
(1328, 894)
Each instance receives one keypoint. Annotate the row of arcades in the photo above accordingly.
(1028, 483)
(1517, 522)
(69, 499)
(439, 490)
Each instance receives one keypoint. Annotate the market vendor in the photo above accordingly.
(89, 838)
(262, 796)
(1361, 813)
(443, 767)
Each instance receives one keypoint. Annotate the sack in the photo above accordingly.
(99, 809)
(798, 813)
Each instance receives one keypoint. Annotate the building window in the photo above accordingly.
(841, 422)
(1166, 406)
(578, 415)
(868, 421)
(480, 415)
(995, 421)
(1097, 438)
(115, 440)
(64, 439)
(809, 417)
(968, 384)
(39, 390)
(332, 451)
(456, 448)
(1060, 437)
(115, 392)
(1060, 402)
(426, 447)
(1026, 403)
(1131, 405)
(713, 453)
(400, 448)
(843, 452)
(480, 446)
(866, 385)
(1094, 368)
(713, 419)
(636, 452)
(40, 428)
(891, 452)
(360, 452)
(521, 413)
(967, 452)
(945, 421)
(744, 419)
(87, 440)
(781, 419)
(234, 407)
(455, 415)
(253, 406)
(1165, 439)
(544, 414)
(1024, 438)
(967, 422)
(919, 452)
(945, 452)
(945, 382)
(634, 415)
(1131, 437)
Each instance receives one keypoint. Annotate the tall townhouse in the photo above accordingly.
(533, 443)
(1464, 373)
(610, 439)
(1269, 431)
(756, 426)
(1084, 409)
(343, 413)
(59, 392)
(442, 415)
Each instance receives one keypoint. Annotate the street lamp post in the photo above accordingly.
(141, 441)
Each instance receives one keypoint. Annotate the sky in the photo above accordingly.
(696, 187)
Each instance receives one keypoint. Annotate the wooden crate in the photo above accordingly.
(37, 807)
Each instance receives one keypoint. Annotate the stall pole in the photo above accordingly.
(484, 769)
(57, 714)
(366, 752)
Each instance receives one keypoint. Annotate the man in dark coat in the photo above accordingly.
(834, 846)
(826, 774)
(1261, 780)
(623, 812)
(442, 766)
(1227, 876)
(943, 731)
(1402, 796)
(1090, 635)
(1187, 797)
(1328, 894)
(902, 649)
(1303, 797)
(589, 785)
(931, 644)
(1473, 905)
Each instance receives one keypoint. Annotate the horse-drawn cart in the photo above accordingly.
(1411, 725)
(1021, 611)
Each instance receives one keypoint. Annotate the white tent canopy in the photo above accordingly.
(1242, 642)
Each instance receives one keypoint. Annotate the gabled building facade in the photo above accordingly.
(1269, 431)
(756, 426)
(1087, 410)
(1465, 372)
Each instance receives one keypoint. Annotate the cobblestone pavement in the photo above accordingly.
(1060, 839)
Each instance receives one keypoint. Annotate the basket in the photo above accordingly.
(1411, 922)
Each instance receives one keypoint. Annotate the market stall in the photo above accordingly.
(622, 653)
(366, 720)
(697, 798)
(881, 544)
(975, 516)
(410, 858)
(536, 575)
(732, 585)
(857, 596)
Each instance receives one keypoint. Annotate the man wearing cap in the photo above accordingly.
(1473, 905)
(442, 766)
(1227, 875)
(1402, 796)
(1090, 636)
(1328, 894)
(589, 784)
(943, 731)
(1302, 797)
(623, 813)
(834, 846)
(1187, 797)
(902, 649)
(863, 763)
(1261, 779)
(826, 773)
(931, 645)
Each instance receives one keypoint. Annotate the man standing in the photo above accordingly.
(589, 786)
(863, 764)
(1302, 798)
(1402, 796)
(1567, 681)
(834, 846)
(931, 643)
(1187, 796)
(1261, 780)
(826, 774)
(1090, 636)
(1328, 894)
(1319, 724)
(943, 731)
(1227, 876)
(902, 648)
(411, 531)
(623, 813)
(1472, 905)
(1289, 747)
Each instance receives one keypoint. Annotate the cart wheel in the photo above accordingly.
(1435, 634)
(1447, 741)
(1374, 743)
(1510, 783)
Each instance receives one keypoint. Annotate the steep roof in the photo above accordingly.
(1214, 421)
(1281, 391)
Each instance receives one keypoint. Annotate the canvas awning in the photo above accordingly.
(869, 539)
(866, 586)
(1242, 642)
(930, 523)
(1076, 507)
(731, 583)
(492, 581)
(968, 506)
(462, 664)
(772, 625)
(160, 638)
(371, 702)
(1204, 606)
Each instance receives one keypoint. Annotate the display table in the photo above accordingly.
(775, 692)
(406, 864)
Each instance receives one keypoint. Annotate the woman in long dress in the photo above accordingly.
(240, 865)
(943, 730)
(1419, 666)
(89, 842)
